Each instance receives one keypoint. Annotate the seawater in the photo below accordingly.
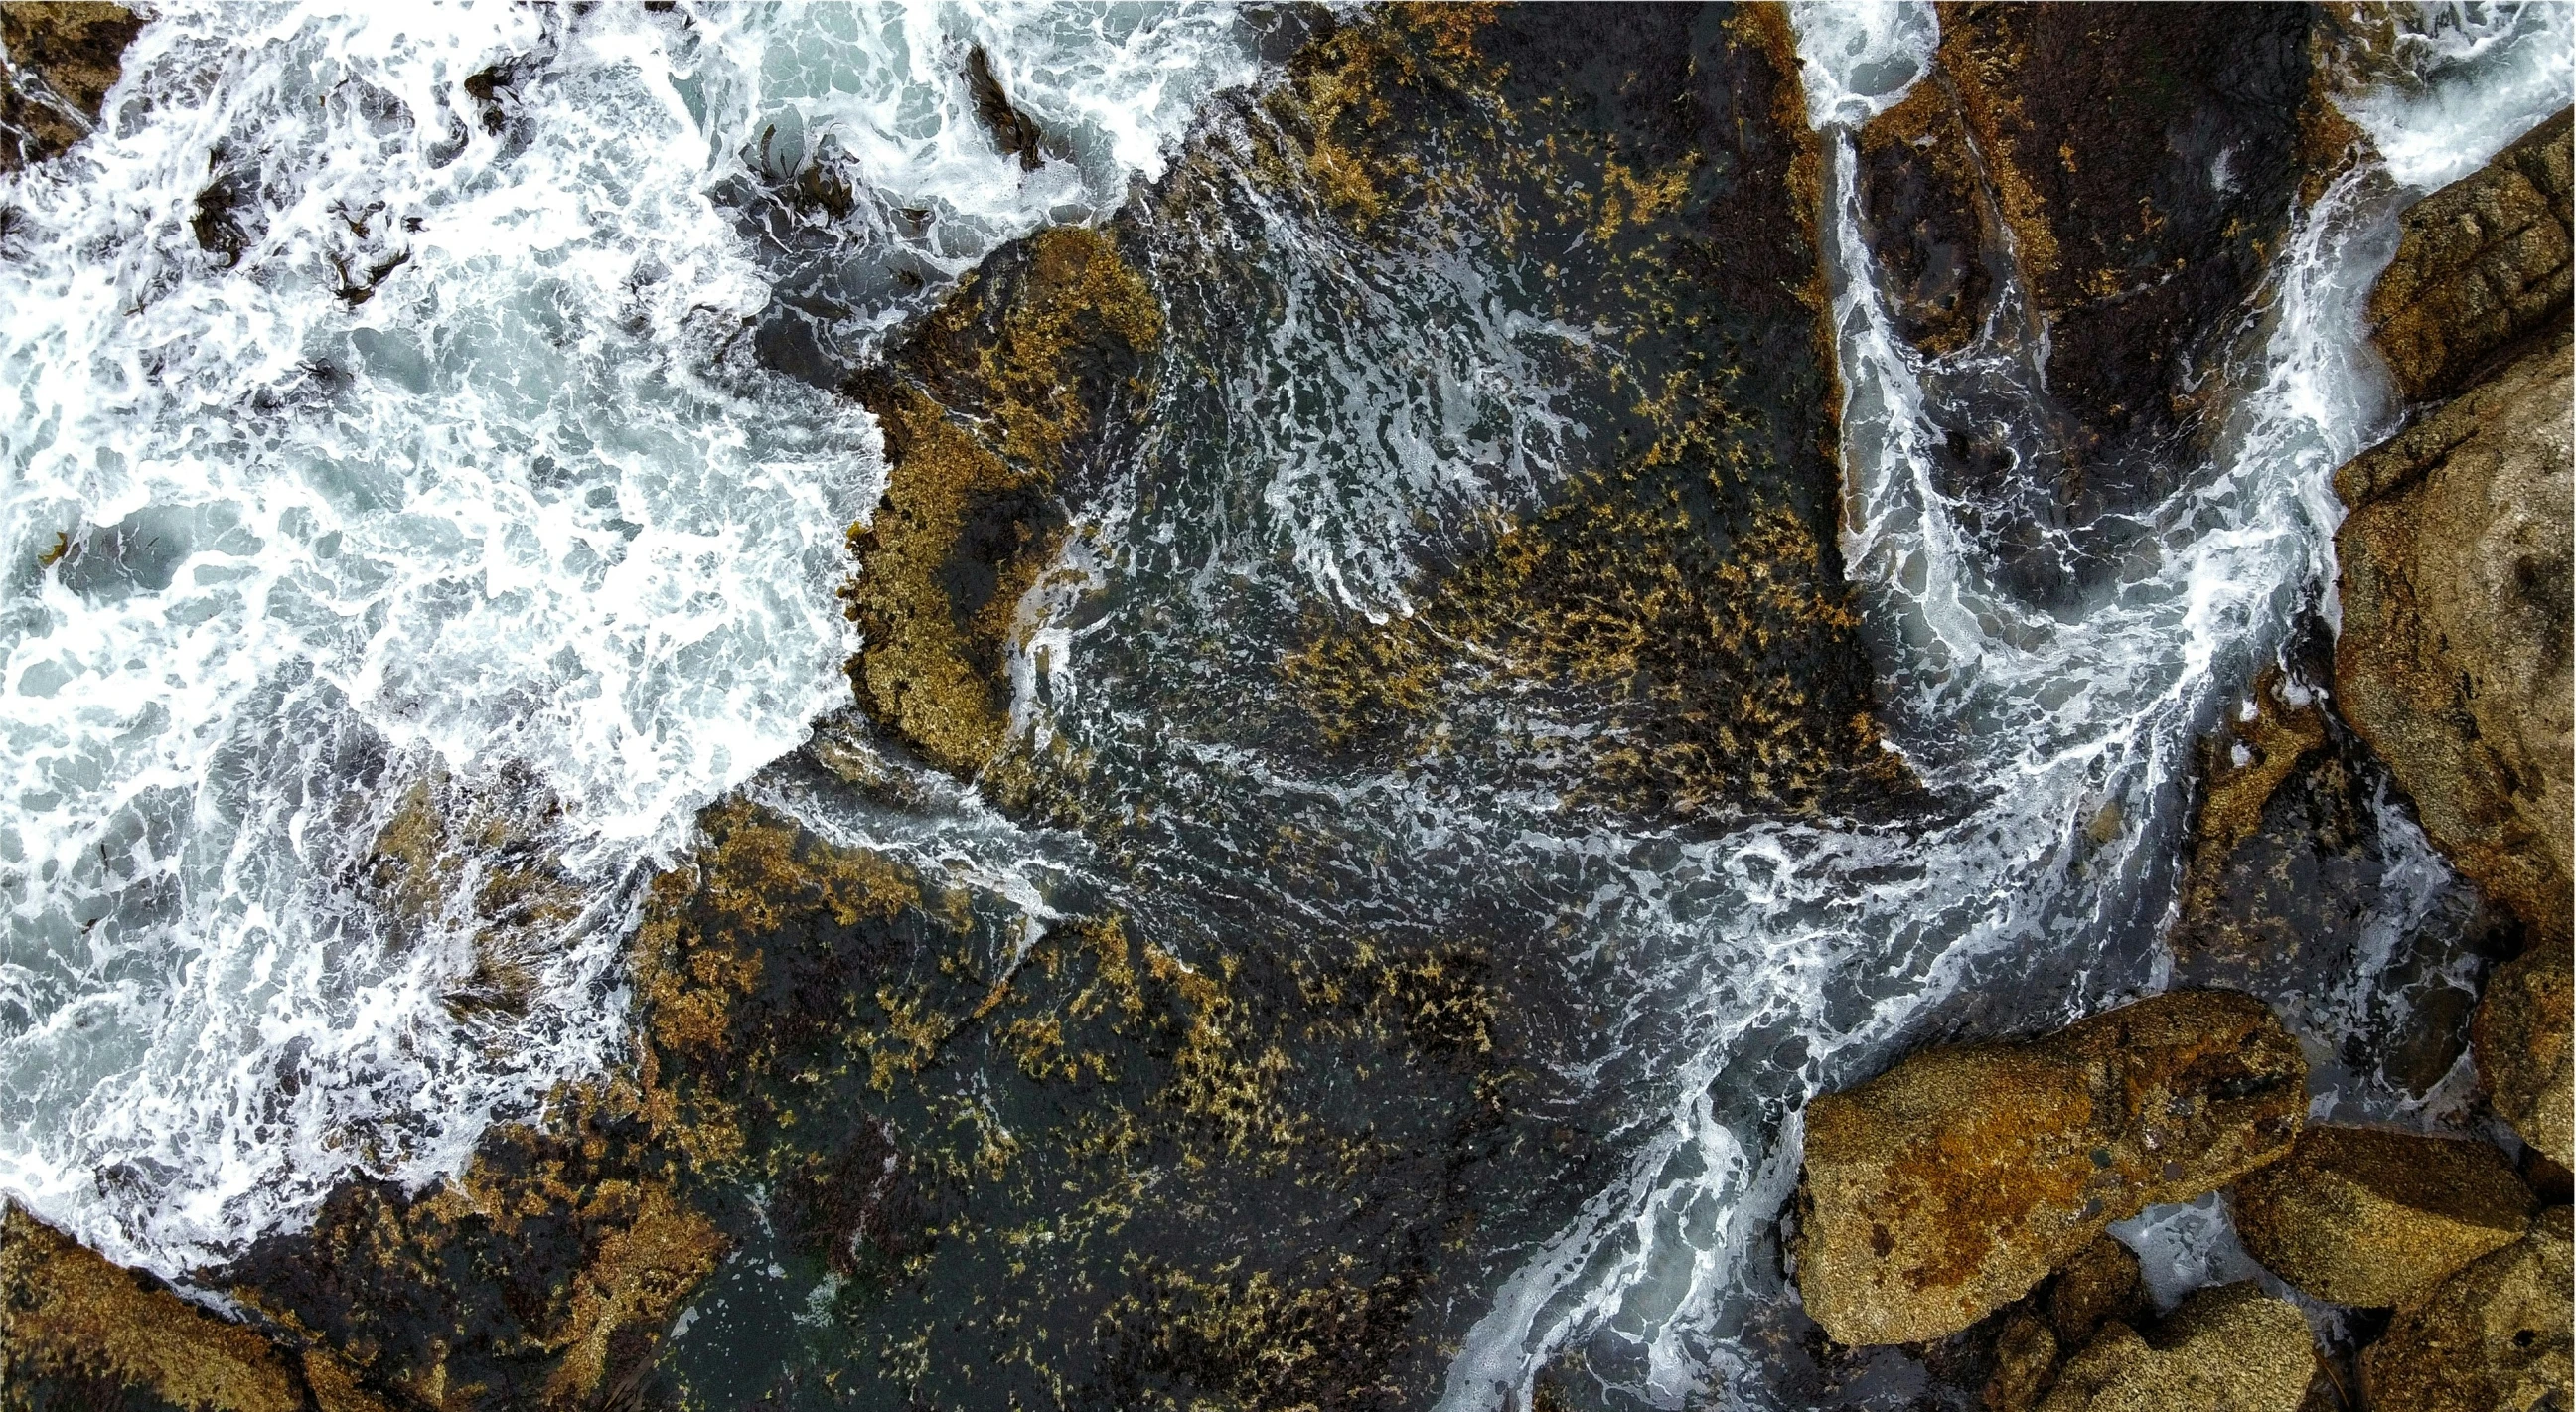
(2058, 737)
(379, 413)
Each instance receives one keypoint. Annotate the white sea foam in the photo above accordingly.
(1794, 956)
(525, 517)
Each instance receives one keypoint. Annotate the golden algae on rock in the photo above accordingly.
(981, 407)
(65, 57)
(1680, 593)
(67, 1315)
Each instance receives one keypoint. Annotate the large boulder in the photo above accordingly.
(2493, 1337)
(2454, 657)
(2368, 1217)
(2520, 1038)
(2480, 264)
(2229, 1349)
(1950, 1185)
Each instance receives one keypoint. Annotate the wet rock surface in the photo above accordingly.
(2111, 258)
(76, 1331)
(2369, 1217)
(2454, 656)
(2481, 265)
(2494, 1335)
(1957, 1180)
(62, 60)
(2521, 1039)
(2228, 1349)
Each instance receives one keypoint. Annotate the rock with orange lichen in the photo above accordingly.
(2228, 1349)
(2481, 265)
(1948, 1186)
(2455, 652)
(2521, 1038)
(2492, 1337)
(63, 58)
(2373, 1218)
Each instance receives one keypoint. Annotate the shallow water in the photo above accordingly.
(477, 446)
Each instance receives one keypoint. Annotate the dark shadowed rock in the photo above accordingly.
(2480, 265)
(2492, 1338)
(2366, 1217)
(63, 58)
(1954, 1182)
(2229, 1349)
(2521, 1039)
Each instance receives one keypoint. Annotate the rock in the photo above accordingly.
(2025, 1363)
(2372, 1218)
(63, 58)
(1954, 1182)
(2100, 1284)
(2480, 264)
(68, 1316)
(2229, 1349)
(2493, 1336)
(2520, 1038)
(2453, 657)
(2453, 662)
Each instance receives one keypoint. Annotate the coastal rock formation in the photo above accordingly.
(2100, 1286)
(2228, 1349)
(2480, 265)
(63, 58)
(2111, 259)
(2454, 656)
(2493, 1336)
(1954, 1182)
(2521, 1041)
(73, 1325)
(2366, 1217)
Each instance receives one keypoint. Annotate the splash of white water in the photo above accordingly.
(460, 470)
(2062, 734)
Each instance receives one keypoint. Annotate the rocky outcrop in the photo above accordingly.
(63, 58)
(72, 1324)
(2112, 259)
(2101, 1285)
(2493, 1336)
(2454, 656)
(2366, 1217)
(2228, 1349)
(2480, 265)
(1954, 1182)
(2521, 1040)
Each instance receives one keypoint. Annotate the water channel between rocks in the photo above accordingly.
(1434, 641)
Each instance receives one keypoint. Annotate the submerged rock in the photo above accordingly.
(2495, 1336)
(2454, 656)
(2229, 1349)
(63, 58)
(1954, 1182)
(2367, 1217)
(2480, 265)
(2521, 1039)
